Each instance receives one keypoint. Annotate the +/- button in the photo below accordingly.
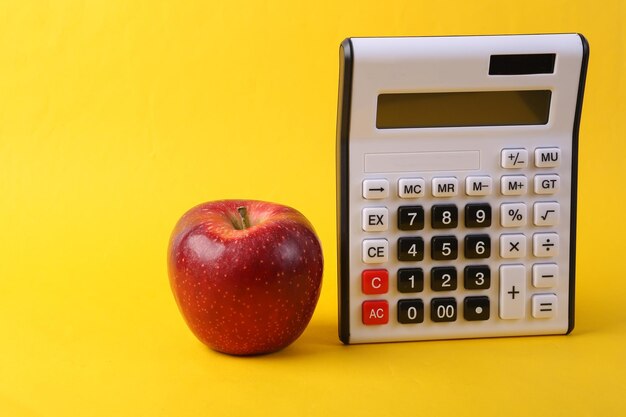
(514, 158)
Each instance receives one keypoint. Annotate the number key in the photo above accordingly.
(477, 246)
(410, 280)
(410, 311)
(410, 249)
(444, 216)
(443, 309)
(444, 248)
(443, 278)
(411, 218)
(477, 277)
(477, 215)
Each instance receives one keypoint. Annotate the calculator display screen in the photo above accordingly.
(457, 109)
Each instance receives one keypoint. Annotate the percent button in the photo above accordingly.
(513, 214)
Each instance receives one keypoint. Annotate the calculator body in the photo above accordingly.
(456, 186)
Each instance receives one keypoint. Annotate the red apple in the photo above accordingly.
(246, 274)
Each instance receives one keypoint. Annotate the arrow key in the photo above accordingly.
(375, 189)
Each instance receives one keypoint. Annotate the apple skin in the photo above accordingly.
(248, 291)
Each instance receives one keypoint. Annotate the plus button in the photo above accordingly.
(513, 292)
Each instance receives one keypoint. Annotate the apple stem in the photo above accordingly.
(245, 221)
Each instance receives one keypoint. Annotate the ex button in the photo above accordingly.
(375, 219)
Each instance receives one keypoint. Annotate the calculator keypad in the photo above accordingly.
(483, 244)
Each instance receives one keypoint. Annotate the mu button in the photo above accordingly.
(375, 312)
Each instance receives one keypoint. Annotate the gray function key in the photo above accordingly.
(375, 189)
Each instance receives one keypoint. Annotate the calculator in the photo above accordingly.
(456, 185)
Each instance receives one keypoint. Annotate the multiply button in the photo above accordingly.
(513, 246)
(375, 251)
(512, 292)
(375, 219)
(514, 158)
(375, 189)
(375, 312)
(375, 281)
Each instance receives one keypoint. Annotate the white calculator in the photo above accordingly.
(457, 175)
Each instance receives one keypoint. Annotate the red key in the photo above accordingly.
(375, 312)
(375, 281)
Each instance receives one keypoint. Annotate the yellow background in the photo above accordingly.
(118, 116)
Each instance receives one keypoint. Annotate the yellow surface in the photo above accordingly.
(117, 116)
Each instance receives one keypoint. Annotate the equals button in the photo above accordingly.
(544, 306)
